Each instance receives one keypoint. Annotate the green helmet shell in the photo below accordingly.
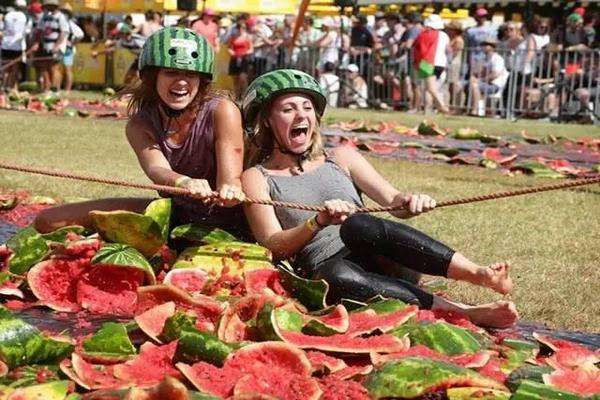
(178, 48)
(272, 84)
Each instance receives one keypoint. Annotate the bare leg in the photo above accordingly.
(68, 78)
(499, 314)
(78, 213)
(432, 88)
(56, 75)
(475, 95)
(494, 276)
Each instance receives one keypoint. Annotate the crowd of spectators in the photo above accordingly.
(389, 60)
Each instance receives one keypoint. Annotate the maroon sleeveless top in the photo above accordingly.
(196, 158)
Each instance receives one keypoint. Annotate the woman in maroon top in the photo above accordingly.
(183, 135)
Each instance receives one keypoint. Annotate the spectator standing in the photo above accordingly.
(490, 79)
(510, 39)
(575, 37)
(75, 36)
(308, 52)
(15, 28)
(53, 31)
(262, 41)
(329, 43)
(430, 58)
(475, 36)
(454, 75)
(240, 50)
(361, 44)
(413, 29)
(330, 84)
(207, 27)
(125, 38)
(150, 25)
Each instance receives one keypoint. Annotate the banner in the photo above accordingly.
(88, 69)
(122, 60)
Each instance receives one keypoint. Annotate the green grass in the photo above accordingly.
(487, 125)
(551, 239)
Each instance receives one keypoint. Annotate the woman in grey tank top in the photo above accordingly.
(351, 252)
(182, 135)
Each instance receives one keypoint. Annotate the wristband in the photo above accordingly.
(182, 180)
(313, 225)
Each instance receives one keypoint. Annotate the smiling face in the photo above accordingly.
(293, 121)
(177, 88)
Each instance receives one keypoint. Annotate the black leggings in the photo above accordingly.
(358, 271)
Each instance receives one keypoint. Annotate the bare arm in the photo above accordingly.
(264, 223)
(229, 149)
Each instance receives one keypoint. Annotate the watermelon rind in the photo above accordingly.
(445, 338)
(152, 321)
(235, 257)
(194, 346)
(320, 323)
(160, 211)
(530, 390)
(125, 256)
(48, 391)
(60, 235)
(270, 317)
(175, 325)
(126, 227)
(110, 343)
(383, 306)
(476, 393)
(415, 376)
(198, 234)
(28, 248)
(311, 293)
(527, 372)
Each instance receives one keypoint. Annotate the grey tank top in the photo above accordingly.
(327, 182)
(196, 158)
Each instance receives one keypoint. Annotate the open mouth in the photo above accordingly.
(178, 93)
(299, 131)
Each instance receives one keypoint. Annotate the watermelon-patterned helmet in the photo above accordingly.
(178, 48)
(272, 84)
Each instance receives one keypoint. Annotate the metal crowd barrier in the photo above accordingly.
(561, 85)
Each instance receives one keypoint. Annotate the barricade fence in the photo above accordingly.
(503, 83)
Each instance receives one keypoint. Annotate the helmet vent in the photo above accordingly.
(194, 54)
(172, 51)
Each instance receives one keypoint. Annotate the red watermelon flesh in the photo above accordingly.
(322, 362)
(210, 379)
(493, 369)
(54, 282)
(152, 322)
(90, 376)
(579, 381)
(346, 344)
(279, 384)
(257, 280)
(234, 330)
(337, 389)
(458, 319)
(150, 366)
(352, 371)
(336, 320)
(574, 358)
(107, 289)
(368, 321)
(204, 308)
(192, 280)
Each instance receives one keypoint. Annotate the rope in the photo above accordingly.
(306, 207)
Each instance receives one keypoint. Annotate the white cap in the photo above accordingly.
(328, 21)
(434, 21)
(21, 3)
(353, 68)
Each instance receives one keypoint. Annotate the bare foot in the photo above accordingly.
(499, 314)
(496, 278)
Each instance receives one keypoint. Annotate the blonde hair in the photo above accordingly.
(260, 143)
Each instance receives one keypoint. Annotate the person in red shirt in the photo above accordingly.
(240, 50)
(207, 27)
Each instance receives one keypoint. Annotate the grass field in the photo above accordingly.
(551, 239)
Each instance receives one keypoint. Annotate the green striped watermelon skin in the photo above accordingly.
(445, 338)
(124, 256)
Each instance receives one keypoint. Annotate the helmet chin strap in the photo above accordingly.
(171, 114)
(300, 157)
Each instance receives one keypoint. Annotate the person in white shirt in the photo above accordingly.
(358, 91)
(75, 36)
(491, 79)
(53, 31)
(330, 84)
(14, 33)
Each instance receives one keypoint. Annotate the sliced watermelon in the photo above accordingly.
(579, 381)
(337, 389)
(259, 280)
(192, 280)
(445, 338)
(414, 376)
(109, 289)
(346, 344)
(125, 256)
(529, 390)
(150, 366)
(152, 321)
(280, 385)
(369, 320)
(476, 393)
(323, 363)
(330, 322)
(90, 376)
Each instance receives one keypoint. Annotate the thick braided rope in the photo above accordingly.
(184, 192)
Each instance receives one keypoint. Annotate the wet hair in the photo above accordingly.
(261, 144)
(144, 94)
